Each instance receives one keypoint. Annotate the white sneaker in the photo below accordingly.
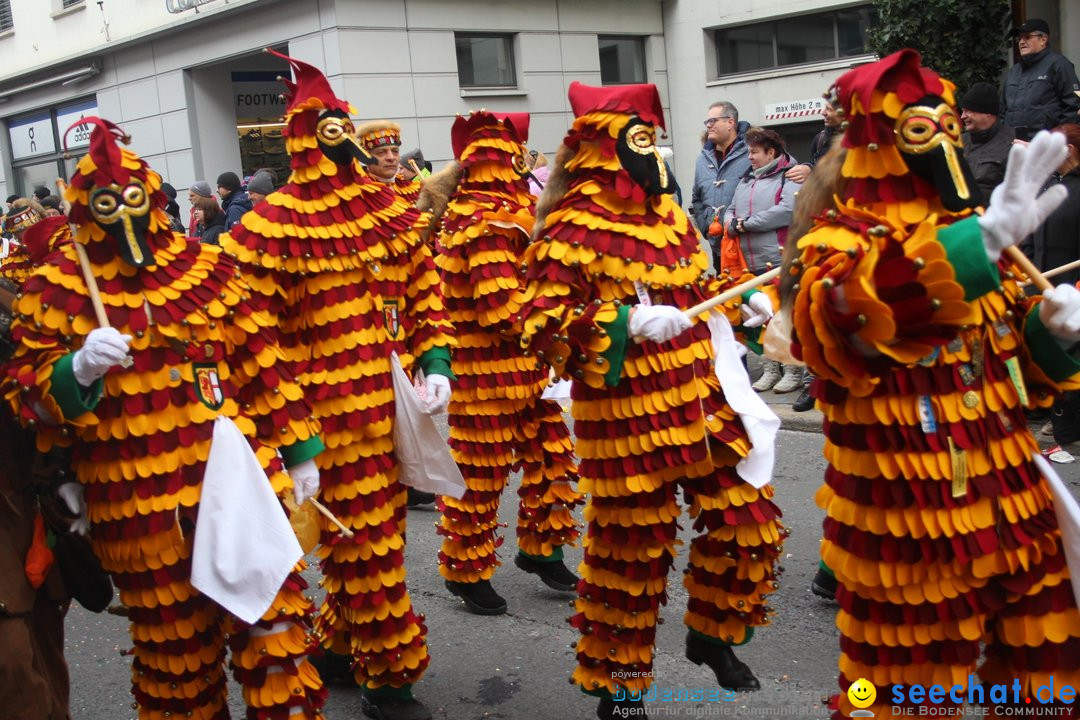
(770, 375)
(790, 381)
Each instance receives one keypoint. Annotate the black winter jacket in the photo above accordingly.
(1057, 241)
(1039, 94)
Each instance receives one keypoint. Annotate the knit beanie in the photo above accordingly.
(229, 180)
(981, 98)
(260, 183)
(202, 189)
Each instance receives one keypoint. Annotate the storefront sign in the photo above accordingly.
(32, 136)
(794, 109)
(79, 136)
(257, 94)
(178, 6)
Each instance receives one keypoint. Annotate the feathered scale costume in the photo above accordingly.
(650, 418)
(498, 421)
(140, 437)
(335, 257)
(939, 528)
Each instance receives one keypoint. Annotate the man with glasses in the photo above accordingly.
(723, 160)
(1040, 90)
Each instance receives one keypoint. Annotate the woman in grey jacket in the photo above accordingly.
(759, 215)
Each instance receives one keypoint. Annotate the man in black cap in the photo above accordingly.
(986, 139)
(234, 200)
(1040, 90)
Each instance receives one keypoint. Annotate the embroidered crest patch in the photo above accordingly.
(208, 386)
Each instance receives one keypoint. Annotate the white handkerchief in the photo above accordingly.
(244, 546)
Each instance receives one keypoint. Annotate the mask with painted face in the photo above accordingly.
(928, 138)
(637, 151)
(337, 139)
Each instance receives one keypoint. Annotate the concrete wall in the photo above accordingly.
(393, 59)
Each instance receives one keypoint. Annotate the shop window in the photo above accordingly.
(259, 109)
(622, 59)
(7, 22)
(38, 140)
(793, 41)
(485, 60)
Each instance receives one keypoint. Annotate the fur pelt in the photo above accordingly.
(435, 192)
(557, 185)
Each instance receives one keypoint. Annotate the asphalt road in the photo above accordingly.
(516, 666)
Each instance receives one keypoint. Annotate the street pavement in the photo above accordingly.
(516, 666)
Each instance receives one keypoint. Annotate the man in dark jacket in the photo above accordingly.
(986, 139)
(821, 142)
(234, 200)
(722, 162)
(1040, 90)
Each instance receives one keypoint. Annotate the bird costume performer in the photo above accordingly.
(498, 421)
(613, 258)
(137, 403)
(382, 138)
(337, 258)
(939, 526)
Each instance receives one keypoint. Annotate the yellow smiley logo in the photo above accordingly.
(862, 693)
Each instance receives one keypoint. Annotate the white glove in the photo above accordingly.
(305, 478)
(72, 495)
(1016, 208)
(438, 394)
(104, 348)
(658, 323)
(756, 311)
(1060, 313)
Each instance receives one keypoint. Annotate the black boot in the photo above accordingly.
(419, 497)
(390, 707)
(731, 673)
(824, 584)
(334, 668)
(479, 597)
(608, 709)
(553, 574)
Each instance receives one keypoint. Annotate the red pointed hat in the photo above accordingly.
(642, 100)
(900, 73)
(105, 152)
(308, 82)
(461, 134)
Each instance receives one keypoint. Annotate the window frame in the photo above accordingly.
(641, 42)
(774, 33)
(510, 45)
(6, 12)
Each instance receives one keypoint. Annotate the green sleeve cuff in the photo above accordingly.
(436, 361)
(615, 355)
(964, 247)
(73, 398)
(304, 450)
(1045, 351)
(746, 295)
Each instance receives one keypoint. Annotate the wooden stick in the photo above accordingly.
(415, 167)
(330, 516)
(1059, 270)
(731, 294)
(1034, 276)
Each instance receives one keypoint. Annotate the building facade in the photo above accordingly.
(189, 81)
(192, 86)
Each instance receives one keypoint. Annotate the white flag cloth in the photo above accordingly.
(1068, 517)
(760, 422)
(424, 460)
(244, 546)
(559, 390)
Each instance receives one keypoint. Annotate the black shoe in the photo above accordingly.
(419, 497)
(609, 708)
(479, 597)
(334, 668)
(824, 584)
(804, 402)
(731, 672)
(553, 574)
(388, 707)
